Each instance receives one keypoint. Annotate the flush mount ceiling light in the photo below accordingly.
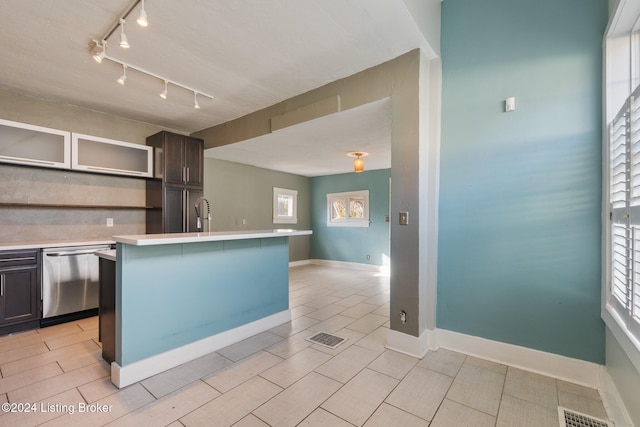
(98, 50)
(123, 77)
(124, 42)
(142, 18)
(358, 162)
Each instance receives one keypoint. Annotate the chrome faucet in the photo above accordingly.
(208, 217)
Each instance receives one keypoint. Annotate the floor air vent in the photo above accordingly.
(570, 418)
(326, 339)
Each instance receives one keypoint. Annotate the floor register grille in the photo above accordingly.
(570, 418)
(326, 339)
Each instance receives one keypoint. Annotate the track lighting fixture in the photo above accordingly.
(142, 18)
(124, 42)
(163, 95)
(99, 51)
(195, 101)
(123, 77)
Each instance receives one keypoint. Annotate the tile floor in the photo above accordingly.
(277, 378)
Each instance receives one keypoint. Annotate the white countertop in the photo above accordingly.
(172, 238)
(108, 254)
(37, 244)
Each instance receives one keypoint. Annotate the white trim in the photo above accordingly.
(549, 364)
(612, 401)
(348, 221)
(122, 376)
(355, 265)
(627, 342)
(299, 263)
(285, 219)
(410, 345)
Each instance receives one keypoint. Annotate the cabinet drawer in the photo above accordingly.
(13, 258)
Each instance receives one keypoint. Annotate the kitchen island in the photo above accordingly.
(180, 296)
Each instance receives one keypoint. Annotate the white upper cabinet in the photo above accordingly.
(94, 154)
(25, 144)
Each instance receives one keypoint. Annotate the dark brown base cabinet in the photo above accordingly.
(19, 290)
(178, 182)
(107, 318)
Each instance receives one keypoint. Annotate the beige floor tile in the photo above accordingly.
(19, 352)
(173, 379)
(452, 414)
(296, 402)
(420, 392)
(519, 413)
(98, 389)
(248, 421)
(357, 400)
(393, 364)
(478, 388)
(66, 340)
(61, 383)
(46, 410)
(80, 359)
(376, 340)
(486, 364)
(115, 405)
(347, 364)
(531, 387)
(249, 346)
(326, 312)
(301, 311)
(58, 331)
(323, 301)
(61, 354)
(359, 310)
(170, 408)
(377, 290)
(31, 376)
(88, 323)
(242, 371)
(580, 403)
(332, 325)
(390, 416)
(443, 361)
(233, 406)
(351, 301)
(379, 299)
(322, 418)
(297, 366)
(368, 323)
(291, 345)
(295, 326)
(19, 340)
(383, 310)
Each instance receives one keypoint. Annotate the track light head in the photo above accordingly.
(124, 42)
(98, 51)
(163, 95)
(195, 101)
(123, 77)
(142, 18)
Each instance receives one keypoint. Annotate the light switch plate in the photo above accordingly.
(404, 218)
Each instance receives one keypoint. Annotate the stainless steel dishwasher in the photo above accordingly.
(70, 285)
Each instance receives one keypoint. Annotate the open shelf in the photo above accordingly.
(70, 206)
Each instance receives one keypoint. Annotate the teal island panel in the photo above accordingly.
(172, 295)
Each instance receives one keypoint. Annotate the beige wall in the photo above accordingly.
(241, 199)
(21, 184)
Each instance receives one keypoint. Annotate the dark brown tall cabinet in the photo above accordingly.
(177, 184)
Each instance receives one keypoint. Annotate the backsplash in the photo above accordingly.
(26, 185)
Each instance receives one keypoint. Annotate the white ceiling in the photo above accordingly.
(248, 54)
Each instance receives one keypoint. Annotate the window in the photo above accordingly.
(348, 209)
(285, 206)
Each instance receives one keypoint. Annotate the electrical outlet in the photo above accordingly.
(109, 222)
(368, 257)
(403, 317)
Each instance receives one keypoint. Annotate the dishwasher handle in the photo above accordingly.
(72, 253)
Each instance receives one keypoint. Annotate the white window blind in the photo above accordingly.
(624, 199)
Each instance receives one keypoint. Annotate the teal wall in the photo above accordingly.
(520, 192)
(351, 244)
(172, 295)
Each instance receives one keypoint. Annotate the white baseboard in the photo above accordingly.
(612, 401)
(356, 265)
(299, 263)
(549, 364)
(410, 345)
(122, 376)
